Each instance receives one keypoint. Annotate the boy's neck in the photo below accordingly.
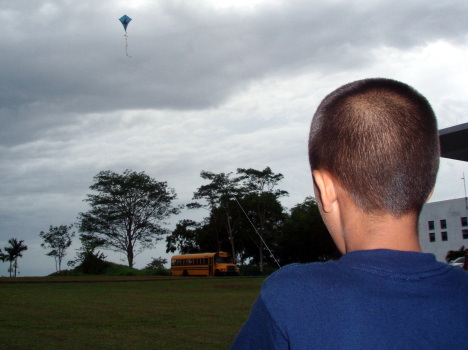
(353, 229)
(364, 232)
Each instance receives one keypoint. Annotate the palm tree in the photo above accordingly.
(14, 252)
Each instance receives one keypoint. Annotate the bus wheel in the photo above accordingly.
(217, 273)
(185, 273)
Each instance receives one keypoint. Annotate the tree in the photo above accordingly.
(191, 237)
(184, 238)
(14, 251)
(156, 263)
(89, 261)
(58, 239)
(218, 195)
(261, 199)
(260, 227)
(127, 211)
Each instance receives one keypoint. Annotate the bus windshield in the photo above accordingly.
(221, 260)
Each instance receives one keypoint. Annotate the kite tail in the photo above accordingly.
(126, 44)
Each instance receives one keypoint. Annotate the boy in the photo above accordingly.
(374, 155)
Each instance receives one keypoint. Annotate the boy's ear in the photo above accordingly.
(325, 185)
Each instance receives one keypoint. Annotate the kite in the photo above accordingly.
(125, 21)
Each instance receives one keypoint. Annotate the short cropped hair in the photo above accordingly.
(379, 139)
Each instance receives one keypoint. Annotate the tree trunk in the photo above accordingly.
(130, 256)
(231, 238)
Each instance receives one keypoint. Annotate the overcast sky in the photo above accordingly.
(210, 85)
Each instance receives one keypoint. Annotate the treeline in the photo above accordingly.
(127, 214)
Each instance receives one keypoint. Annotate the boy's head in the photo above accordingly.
(379, 139)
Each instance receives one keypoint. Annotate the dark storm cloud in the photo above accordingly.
(60, 58)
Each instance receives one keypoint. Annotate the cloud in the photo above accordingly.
(64, 58)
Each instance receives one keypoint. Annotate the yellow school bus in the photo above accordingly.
(204, 264)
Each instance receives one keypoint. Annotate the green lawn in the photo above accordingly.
(194, 313)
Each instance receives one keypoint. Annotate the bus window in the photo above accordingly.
(221, 260)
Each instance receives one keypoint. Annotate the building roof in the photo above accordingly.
(454, 142)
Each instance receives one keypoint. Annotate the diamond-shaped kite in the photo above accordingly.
(125, 21)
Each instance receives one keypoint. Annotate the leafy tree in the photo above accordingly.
(127, 211)
(58, 239)
(264, 211)
(304, 236)
(218, 195)
(156, 263)
(195, 237)
(89, 243)
(184, 238)
(454, 254)
(90, 261)
(260, 227)
(14, 251)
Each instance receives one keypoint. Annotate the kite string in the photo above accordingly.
(126, 44)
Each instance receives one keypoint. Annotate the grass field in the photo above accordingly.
(164, 313)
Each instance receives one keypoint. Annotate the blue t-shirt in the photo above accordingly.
(374, 299)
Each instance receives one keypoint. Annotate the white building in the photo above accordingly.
(443, 226)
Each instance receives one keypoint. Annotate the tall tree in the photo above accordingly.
(218, 195)
(260, 227)
(128, 211)
(261, 198)
(14, 251)
(58, 239)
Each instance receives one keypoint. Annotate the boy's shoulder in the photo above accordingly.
(300, 278)
(372, 270)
